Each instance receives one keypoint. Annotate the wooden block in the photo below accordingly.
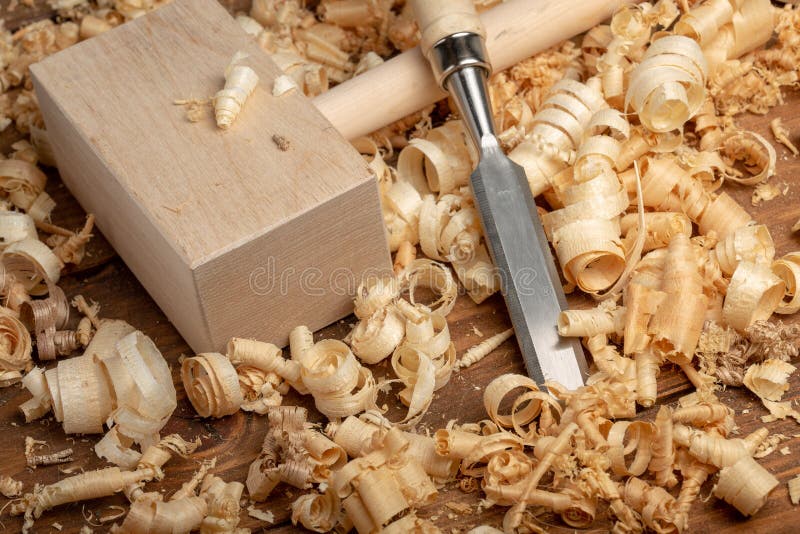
(229, 234)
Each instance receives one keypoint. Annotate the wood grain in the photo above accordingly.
(206, 217)
(236, 440)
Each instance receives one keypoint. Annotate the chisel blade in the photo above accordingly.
(530, 282)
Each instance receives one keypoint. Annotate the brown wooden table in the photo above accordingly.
(236, 440)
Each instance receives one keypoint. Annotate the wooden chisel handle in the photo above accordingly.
(438, 19)
(515, 30)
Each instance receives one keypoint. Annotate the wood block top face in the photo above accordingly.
(205, 190)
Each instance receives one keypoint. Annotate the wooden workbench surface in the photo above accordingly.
(236, 440)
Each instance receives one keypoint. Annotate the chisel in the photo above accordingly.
(453, 42)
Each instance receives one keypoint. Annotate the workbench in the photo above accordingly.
(236, 440)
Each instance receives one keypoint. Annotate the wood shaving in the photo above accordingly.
(787, 269)
(195, 108)
(769, 445)
(746, 485)
(223, 504)
(769, 380)
(33, 460)
(9, 487)
(753, 295)
(261, 515)
(727, 354)
(477, 352)
(665, 98)
(779, 410)
(794, 490)
(751, 243)
(782, 135)
(382, 484)
(757, 154)
(212, 385)
(340, 385)
(281, 142)
(283, 84)
(90, 485)
(79, 390)
(765, 192)
(240, 82)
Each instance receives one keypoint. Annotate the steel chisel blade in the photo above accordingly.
(530, 282)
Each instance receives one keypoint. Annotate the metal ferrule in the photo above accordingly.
(456, 52)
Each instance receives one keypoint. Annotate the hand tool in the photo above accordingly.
(453, 42)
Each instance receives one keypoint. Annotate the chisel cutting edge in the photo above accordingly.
(453, 42)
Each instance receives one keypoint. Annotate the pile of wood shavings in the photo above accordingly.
(647, 88)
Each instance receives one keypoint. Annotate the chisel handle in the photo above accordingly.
(438, 19)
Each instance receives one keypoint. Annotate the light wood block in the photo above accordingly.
(230, 235)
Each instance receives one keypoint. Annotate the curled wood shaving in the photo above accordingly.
(787, 269)
(153, 515)
(33, 264)
(585, 233)
(702, 22)
(779, 410)
(782, 135)
(260, 389)
(588, 323)
(337, 381)
(33, 460)
(794, 490)
(15, 349)
(746, 485)
(240, 82)
(757, 154)
(716, 450)
(556, 132)
(121, 379)
(10, 487)
(753, 294)
(654, 504)
(660, 227)
(317, 512)
(15, 226)
(676, 325)
(86, 486)
(283, 84)
(424, 273)
(668, 86)
(477, 352)
(769, 380)
(376, 337)
(640, 437)
(384, 483)
(212, 384)
(281, 447)
(268, 358)
(662, 463)
(406, 253)
(223, 505)
(749, 243)
(441, 162)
